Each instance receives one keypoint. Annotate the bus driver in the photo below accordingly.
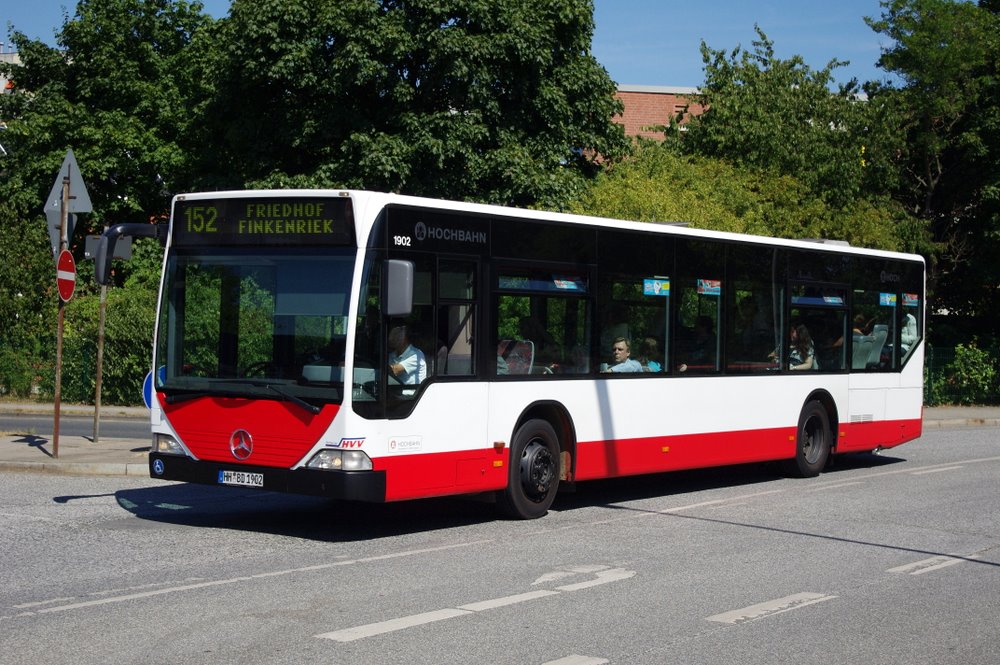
(406, 362)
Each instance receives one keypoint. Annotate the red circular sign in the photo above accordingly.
(66, 275)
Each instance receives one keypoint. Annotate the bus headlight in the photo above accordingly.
(166, 445)
(340, 460)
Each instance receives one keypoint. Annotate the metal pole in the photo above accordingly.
(63, 243)
(100, 362)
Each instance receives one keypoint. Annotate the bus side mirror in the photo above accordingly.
(109, 239)
(399, 287)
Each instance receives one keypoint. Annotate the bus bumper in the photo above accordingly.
(348, 485)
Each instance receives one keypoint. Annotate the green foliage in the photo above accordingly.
(660, 185)
(780, 116)
(970, 378)
(129, 320)
(948, 56)
(27, 300)
(465, 99)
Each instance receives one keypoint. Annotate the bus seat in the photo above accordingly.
(878, 341)
(862, 349)
(518, 354)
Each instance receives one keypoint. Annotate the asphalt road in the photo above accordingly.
(884, 559)
(74, 425)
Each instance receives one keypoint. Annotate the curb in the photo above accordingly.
(962, 422)
(78, 468)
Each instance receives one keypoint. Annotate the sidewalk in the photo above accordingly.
(23, 451)
(127, 457)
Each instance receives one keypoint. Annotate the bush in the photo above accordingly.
(128, 334)
(970, 378)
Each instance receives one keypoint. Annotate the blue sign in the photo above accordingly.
(656, 287)
(147, 390)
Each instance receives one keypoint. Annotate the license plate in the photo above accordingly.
(242, 478)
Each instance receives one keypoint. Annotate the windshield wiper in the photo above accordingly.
(278, 390)
(311, 408)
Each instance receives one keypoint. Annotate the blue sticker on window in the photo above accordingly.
(656, 287)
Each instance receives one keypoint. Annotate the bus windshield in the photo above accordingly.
(262, 323)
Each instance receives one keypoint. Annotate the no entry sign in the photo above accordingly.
(66, 275)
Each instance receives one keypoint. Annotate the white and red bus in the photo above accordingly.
(272, 352)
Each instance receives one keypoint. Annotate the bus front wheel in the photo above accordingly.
(812, 448)
(533, 471)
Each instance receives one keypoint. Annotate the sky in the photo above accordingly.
(647, 42)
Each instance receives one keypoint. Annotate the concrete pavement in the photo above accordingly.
(20, 451)
(27, 451)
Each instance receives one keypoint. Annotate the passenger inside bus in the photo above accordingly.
(406, 362)
(621, 360)
(698, 346)
(802, 352)
(649, 355)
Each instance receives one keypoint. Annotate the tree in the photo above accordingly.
(947, 55)
(111, 92)
(781, 116)
(466, 99)
(659, 184)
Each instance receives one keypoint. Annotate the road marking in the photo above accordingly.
(568, 571)
(39, 603)
(392, 625)
(715, 502)
(836, 487)
(605, 576)
(245, 578)
(930, 565)
(574, 659)
(770, 608)
(926, 471)
(484, 605)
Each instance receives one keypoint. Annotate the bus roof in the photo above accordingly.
(369, 203)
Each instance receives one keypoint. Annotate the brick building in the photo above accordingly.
(648, 107)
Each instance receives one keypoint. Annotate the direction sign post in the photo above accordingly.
(61, 222)
(68, 195)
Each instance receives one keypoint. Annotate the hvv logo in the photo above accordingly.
(350, 443)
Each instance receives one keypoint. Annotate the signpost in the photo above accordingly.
(68, 195)
(61, 222)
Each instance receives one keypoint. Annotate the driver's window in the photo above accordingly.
(410, 341)
(369, 350)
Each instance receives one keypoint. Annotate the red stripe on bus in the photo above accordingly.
(860, 437)
(469, 471)
(629, 457)
(440, 474)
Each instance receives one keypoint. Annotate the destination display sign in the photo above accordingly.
(256, 222)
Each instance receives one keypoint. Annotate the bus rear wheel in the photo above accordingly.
(812, 447)
(533, 471)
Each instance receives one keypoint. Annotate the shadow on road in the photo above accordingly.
(326, 520)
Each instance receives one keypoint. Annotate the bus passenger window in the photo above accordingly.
(697, 336)
(542, 324)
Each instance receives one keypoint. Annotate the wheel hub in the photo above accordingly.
(537, 470)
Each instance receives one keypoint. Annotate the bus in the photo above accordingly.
(377, 347)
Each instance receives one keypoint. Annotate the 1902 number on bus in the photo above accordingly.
(401, 241)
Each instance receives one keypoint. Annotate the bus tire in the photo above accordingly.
(812, 441)
(533, 471)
